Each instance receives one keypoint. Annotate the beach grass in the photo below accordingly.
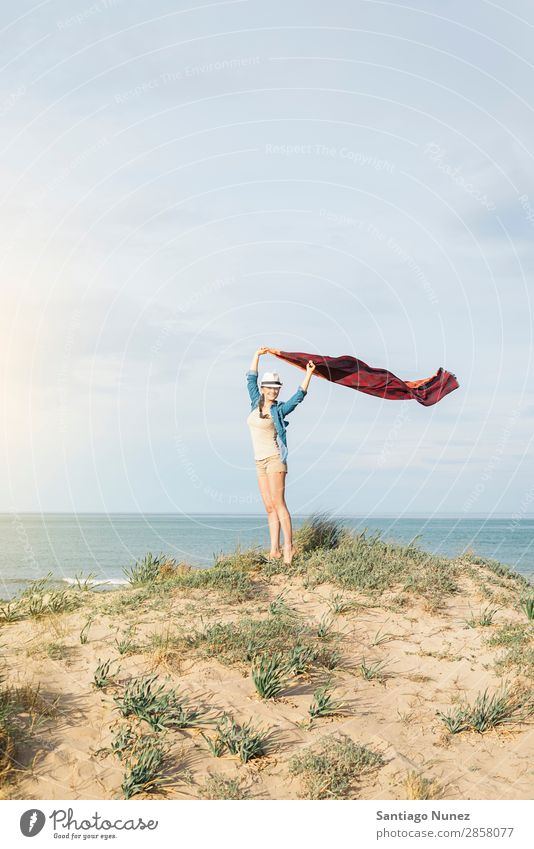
(148, 699)
(527, 604)
(339, 604)
(301, 657)
(489, 711)
(364, 562)
(125, 643)
(516, 639)
(104, 674)
(219, 787)
(270, 648)
(23, 710)
(321, 531)
(41, 599)
(417, 786)
(374, 671)
(243, 740)
(324, 703)
(144, 571)
(483, 618)
(240, 642)
(269, 674)
(229, 575)
(145, 769)
(324, 628)
(332, 768)
(498, 568)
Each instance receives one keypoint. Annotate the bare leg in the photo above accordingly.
(272, 516)
(277, 482)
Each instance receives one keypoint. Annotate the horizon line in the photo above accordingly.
(385, 515)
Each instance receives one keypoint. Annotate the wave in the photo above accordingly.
(118, 581)
(57, 579)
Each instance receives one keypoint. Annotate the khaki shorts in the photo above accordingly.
(270, 464)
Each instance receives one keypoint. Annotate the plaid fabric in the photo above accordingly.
(348, 371)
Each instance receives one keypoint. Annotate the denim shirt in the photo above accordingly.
(279, 409)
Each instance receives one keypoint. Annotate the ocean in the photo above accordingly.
(32, 545)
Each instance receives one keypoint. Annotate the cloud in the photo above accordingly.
(168, 208)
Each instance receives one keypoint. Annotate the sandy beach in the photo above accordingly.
(400, 639)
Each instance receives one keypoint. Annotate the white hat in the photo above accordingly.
(271, 378)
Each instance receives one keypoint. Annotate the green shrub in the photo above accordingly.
(331, 770)
(368, 564)
(484, 618)
(145, 570)
(217, 787)
(528, 606)
(269, 674)
(300, 658)
(500, 569)
(158, 707)
(103, 676)
(488, 711)
(240, 642)
(245, 741)
(319, 532)
(144, 772)
(372, 671)
(324, 704)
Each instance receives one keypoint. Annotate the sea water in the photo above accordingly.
(32, 545)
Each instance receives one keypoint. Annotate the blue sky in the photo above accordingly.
(183, 185)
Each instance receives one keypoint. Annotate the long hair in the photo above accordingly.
(261, 405)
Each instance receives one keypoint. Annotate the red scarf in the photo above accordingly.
(348, 371)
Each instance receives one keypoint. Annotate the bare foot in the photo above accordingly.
(275, 555)
(289, 552)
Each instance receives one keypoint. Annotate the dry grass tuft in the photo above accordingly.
(417, 787)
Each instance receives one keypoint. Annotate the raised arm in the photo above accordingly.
(252, 377)
(256, 358)
(310, 368)
(289, 405)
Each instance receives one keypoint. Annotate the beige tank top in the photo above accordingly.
(263, 435)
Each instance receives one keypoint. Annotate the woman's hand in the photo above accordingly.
(261, 351)
(310, 368)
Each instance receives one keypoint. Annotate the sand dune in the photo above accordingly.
(431, 660)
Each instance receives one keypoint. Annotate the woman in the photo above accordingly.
(267, 425)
